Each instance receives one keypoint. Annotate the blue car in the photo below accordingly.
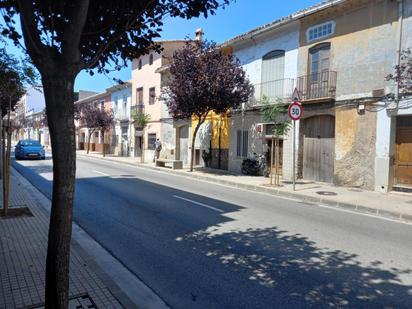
(29, 149)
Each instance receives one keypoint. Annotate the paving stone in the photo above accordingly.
(23, 245)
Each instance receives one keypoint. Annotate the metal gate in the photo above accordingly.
(319, 148)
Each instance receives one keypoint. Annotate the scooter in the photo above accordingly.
(255, 166)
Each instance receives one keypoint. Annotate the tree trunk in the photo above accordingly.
(1, 143)
(88, 141)
(193, 144)
(219, 162)
(3, 158)
(6, 166)
(272, 146)
(104, 145)
(59, 95)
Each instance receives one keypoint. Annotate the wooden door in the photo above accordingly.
(183, 143)
(403, 156)
(138, 146)
(319, 148)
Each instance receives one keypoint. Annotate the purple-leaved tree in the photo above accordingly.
(96, 120)
(403, 73)
(204, 79)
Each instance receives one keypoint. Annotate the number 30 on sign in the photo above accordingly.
(295, 111)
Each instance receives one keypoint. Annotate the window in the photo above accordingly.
(320, 31)
(102, 105)
(319, 61)
(151, 59)
(139, 96)
(151, 139)
(242, 143)
(273, 70)
(139, 65)
(152, 95)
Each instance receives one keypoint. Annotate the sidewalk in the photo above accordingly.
(397, 206)
(23, 245)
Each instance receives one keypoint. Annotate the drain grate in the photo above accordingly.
(83, 301)
(327, 193)
(16, 212)
(127, 176)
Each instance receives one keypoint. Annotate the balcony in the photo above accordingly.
(274, 91)
(134, 110)
(121, 115)
(318, 86)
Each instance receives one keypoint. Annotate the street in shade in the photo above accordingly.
(202, 245)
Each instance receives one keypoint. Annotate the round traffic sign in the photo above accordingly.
(295, 110)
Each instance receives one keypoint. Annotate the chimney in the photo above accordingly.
(199, 34)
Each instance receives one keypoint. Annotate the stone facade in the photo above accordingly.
(355, 147)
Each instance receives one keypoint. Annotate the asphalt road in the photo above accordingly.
(203, 245)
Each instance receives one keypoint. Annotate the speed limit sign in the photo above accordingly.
(295, 111)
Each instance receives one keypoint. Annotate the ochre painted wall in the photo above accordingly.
(217, 120)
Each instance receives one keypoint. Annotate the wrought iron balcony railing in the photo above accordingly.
(273, 91)
(321, 85)
(121, 115)
(136, 109)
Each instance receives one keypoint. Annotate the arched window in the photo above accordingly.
(273, 72)
(139, 66)
(274, 54)
(151, 59)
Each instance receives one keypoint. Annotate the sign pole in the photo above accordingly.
(295, 112)
(293, 153)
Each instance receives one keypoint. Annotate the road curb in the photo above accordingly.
(393, 215)
(129, 290)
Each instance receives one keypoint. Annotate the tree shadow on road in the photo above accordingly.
(303, 275)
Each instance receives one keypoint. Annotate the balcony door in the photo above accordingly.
(319, 61)
(273, 72)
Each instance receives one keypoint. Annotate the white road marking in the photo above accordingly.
(198, 203)
(101, 173)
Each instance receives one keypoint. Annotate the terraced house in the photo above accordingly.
(338, 55)
(97, 140)
(149, 75)
(121, 96)
(356, 128)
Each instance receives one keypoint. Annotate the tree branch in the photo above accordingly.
(30, 31)
(73, 31)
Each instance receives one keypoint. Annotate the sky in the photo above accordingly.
(239, 17)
